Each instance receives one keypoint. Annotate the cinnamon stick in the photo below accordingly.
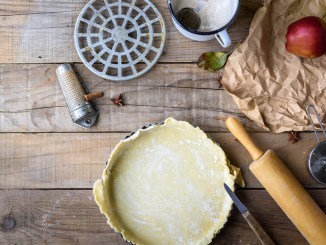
(93, 96)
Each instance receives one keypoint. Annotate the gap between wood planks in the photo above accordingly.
(238, 188)
(70, 160)
(42, 31)
(72, 216)
(183, 92)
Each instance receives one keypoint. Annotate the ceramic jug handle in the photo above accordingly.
(223, 38)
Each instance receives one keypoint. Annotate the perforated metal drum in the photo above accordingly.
(120, 39)
(317, 156)
(84, 113)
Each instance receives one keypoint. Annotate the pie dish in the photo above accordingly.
(164, 185)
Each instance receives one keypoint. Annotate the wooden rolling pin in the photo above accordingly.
(284, 188)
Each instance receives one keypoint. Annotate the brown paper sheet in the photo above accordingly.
(271, 86)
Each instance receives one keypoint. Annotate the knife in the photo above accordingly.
(255, 226)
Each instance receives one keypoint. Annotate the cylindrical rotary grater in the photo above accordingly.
(317, 157)
(83, 112)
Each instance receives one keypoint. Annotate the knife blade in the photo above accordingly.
(235, 200)
(253, 223)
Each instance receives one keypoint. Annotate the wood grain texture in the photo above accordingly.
(32, 100)
(42, 32)
(76, 160)
(72, 217)
(258, 229)
(40, 148)
(290, 195)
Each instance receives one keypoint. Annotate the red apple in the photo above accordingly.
(307, 37)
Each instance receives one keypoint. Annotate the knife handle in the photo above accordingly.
(256, 227)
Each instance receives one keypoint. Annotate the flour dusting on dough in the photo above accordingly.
(168, 178)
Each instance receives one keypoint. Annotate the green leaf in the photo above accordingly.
(212, 61)
(220, 63)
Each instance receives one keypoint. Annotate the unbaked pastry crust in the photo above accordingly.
(164, 185)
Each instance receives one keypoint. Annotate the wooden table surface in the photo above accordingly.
(48, 164)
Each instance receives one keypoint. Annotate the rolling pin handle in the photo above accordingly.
(241, 134)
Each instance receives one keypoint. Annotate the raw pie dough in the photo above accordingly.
(164, 185)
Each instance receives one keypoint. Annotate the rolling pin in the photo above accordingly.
(284, 188)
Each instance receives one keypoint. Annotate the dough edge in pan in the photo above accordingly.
(164, 185)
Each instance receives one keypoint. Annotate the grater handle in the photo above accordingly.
(312, 122)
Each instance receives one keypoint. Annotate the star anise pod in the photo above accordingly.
(219, 79)
(117, 101)
(293, 136)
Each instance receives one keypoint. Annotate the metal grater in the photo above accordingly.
(83, 113)
(317, 157)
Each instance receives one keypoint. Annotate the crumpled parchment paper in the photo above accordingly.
(271, 86)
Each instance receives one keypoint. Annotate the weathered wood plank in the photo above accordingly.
(76, 160)
(42, 32)
(32, 100)
(72, 217)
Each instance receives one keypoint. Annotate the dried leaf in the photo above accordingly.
(213, 61)
(220, 63)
